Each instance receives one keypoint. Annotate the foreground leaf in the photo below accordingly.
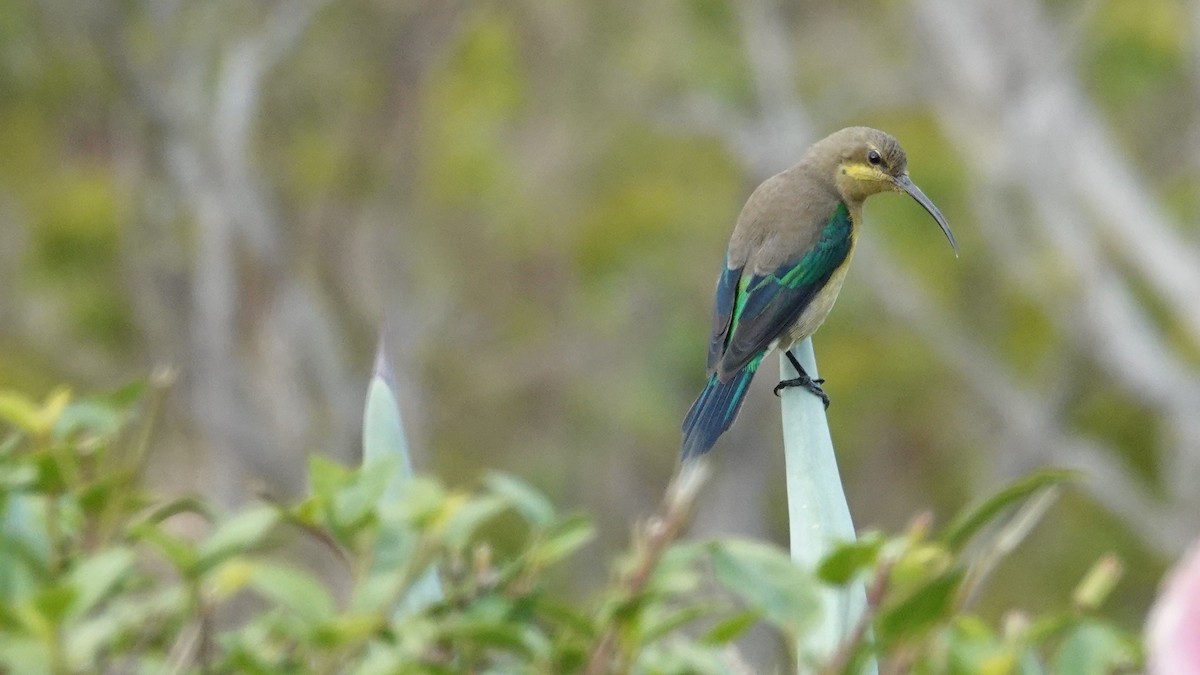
(921, 610)
(768, 581)
(849, 558)
(241, 533)
(969, 523)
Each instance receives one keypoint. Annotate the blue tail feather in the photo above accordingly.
(715, 410)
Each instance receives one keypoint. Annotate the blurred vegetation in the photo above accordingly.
(98, 574)
(535, 197)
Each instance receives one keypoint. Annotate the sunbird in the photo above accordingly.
(786, 261)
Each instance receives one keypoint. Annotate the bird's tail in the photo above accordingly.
(714, 411)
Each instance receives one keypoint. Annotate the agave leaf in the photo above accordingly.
(383, 428)
(818, 513)
(385, 445)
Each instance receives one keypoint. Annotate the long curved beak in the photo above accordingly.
(905, 183)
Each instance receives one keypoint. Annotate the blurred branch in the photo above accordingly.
(1028, 425)
(767, 40)
(1194, 42)
(650, 542)
(1005, 60)
(1091, 206)
(771, 139)
(205, 127)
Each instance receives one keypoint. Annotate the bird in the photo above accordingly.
(787, 258)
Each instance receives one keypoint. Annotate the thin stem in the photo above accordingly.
(649, 545)
(875, 594)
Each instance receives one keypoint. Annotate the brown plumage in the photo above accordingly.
(787, 258)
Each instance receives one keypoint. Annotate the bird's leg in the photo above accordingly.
(803, 380)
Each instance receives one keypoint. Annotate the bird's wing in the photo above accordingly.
(766, 305)
(727, 295)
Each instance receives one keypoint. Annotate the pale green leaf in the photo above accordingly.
(240, 534)
(767, 580)
(532, 505)
(294, 589)
(96, 576)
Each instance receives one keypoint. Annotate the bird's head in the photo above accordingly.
(866, 162)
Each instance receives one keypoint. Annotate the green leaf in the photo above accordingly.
(383, 428)
(23, 537)
(570, 618)
(921, 610)
(423, 505)
(677, 572)
(352, 504)
(95, 577)
(178, 552)
(142, 617)
(467, 518)
(189, 504)
(659, 621)
(355, 628)
(51, 478)
(685, 656)
(400, 556)
(511, 636)
(389, 480)
(917, 565)
(379, 661)
(326, 477)
(54, 601)
(238, 535)
(966, 525)
(18, 477)
(1094, 647)
(567, 537)
(294, 589)
(230, 577)
(849, 558)
(88, 417)
(21, 412)
(127, 396)
(767, 580)
(532, 505)
(1050, 627)
(24, 654)
(970, 645)
(729, 629)
(424, 592)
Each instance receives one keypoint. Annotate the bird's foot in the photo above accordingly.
(803, 380)
(810, 385)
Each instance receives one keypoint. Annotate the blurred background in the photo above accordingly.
(535, 198)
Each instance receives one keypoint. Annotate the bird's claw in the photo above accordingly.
(810, 385)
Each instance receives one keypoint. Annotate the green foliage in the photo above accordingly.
(768, 582)
(97, 575)
(922, 586)
(968, 524)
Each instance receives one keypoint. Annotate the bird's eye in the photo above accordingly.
(874, 158)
